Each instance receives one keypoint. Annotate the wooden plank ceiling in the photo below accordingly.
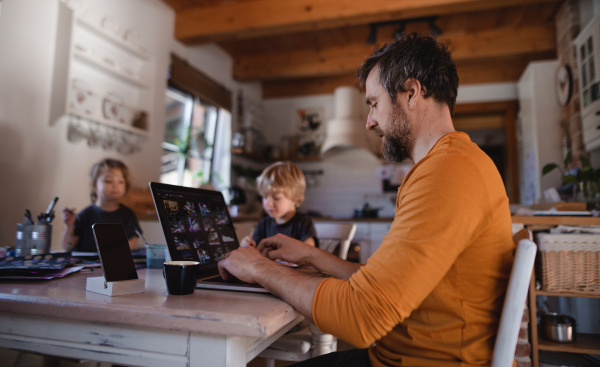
(304, 47)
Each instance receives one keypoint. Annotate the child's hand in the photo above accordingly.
(69, 216)
(247, 241)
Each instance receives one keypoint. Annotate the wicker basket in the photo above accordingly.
(570, 263)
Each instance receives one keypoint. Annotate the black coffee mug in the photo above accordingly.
(181, 276)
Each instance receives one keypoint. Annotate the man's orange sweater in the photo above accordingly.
(432, 293)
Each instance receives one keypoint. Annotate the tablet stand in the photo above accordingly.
(118, 288)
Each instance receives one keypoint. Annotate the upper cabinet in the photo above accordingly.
(102, 78)
(587, 44)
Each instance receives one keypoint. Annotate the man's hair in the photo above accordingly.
(284, 177)
(100, 168)
(415, 56)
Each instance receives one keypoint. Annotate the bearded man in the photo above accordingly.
(432, 293)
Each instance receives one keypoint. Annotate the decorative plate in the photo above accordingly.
(81, 98)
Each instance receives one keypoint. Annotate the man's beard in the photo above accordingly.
(396, 145)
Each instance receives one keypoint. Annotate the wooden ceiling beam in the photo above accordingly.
(305, 86)
(235, 20)
(496, 70)
(344, 59)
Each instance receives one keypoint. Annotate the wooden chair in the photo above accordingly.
(334, 237)
(514, 302)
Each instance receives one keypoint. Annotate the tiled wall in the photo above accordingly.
(348, 180)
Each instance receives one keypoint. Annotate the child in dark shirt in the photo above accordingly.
(110, 182)
(282, 186)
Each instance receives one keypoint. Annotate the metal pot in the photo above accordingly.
(558, 328)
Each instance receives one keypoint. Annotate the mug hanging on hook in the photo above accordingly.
(75, 131)
(94, 135)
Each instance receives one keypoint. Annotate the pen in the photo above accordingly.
(28, 218)
(51, 206)
(140, 236)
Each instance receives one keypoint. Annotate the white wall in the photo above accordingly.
(37, 161)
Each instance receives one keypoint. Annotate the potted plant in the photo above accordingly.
(577, 183)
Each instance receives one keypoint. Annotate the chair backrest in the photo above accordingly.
(335, 234)
(514, 302)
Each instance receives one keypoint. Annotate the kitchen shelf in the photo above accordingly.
(97, 59)
(240, 153)
(113, 38)
(99, 64)
(107, 122)
(565, 294)
(586, 343)
(556, 220)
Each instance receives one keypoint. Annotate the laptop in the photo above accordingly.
(197, 227)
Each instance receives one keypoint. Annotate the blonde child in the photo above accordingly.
(109, 184)
(282, 186)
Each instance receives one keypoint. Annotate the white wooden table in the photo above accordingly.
(208, 328)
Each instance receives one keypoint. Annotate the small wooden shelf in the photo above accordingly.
(240, 153)
(585, 344)
(565, 294)
(556, 220)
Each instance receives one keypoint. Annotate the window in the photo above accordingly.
(196, 145)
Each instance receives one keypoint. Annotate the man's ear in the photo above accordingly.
(414, 92)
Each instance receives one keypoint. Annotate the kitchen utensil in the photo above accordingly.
(366, 212)
(51, 206)
(33, 239)
(557, 327)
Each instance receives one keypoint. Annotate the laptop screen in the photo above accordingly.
(196, 224)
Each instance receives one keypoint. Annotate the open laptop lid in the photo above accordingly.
(196, 224)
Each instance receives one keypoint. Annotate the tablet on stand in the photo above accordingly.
(119, 273)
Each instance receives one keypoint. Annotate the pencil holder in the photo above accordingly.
(33, 239)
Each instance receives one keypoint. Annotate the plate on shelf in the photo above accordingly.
(111, 25)
(125, 115)
(131, 73)
(114, 109)
(111, 107)
(81, 98)
(83, 49)
(112, 63)
(134, 40)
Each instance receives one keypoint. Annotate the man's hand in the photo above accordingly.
(286, 248)
(242, 264)
(247, 241)
(294, 287)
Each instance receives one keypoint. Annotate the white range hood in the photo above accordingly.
(347, 129)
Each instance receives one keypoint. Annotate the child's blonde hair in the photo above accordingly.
(283, 177)
(100, 168)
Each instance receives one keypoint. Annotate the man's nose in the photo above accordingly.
(370, 122)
